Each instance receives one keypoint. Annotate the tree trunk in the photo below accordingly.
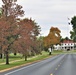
(25, 57)
(15, 54)
(7, 57)
(1, 56)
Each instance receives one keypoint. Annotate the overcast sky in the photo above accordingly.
(48, 13)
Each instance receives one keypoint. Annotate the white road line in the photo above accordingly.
(21, 69)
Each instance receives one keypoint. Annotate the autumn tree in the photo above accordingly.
(8, 24)
(28, 31)
(52, 38)
(0, 47)
(16, 33)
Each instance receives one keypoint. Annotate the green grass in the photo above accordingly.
(11, 58)
(63, 52)
(57, 51)
(74, 50)
(2, 67)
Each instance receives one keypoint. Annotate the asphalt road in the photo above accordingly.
(64, 64)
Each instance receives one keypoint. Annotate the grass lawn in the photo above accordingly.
(11, 58)
(57, 51)
(63, 52)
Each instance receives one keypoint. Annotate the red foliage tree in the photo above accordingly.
(16, 33)
(27, 36)
(8, 24)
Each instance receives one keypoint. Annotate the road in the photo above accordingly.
(63, 64)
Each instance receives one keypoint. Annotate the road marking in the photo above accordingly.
(21, 69)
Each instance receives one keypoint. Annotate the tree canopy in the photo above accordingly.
(53, 37)
(16, 34)
(73, 32)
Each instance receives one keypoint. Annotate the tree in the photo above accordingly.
(73, 22)
(22, 37)
(41, 45)
(8, 23)
(73, 32)
(66, 38)
(53, 37)
(0, 47)
(16, 33)
(28, 30)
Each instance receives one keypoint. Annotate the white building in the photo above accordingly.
(66, 45)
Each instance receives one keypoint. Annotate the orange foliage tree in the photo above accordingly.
(53, 37)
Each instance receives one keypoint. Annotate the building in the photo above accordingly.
(66, 45)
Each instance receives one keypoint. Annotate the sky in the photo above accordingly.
(50, 13)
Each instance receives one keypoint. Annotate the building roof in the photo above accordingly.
(68, 41)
